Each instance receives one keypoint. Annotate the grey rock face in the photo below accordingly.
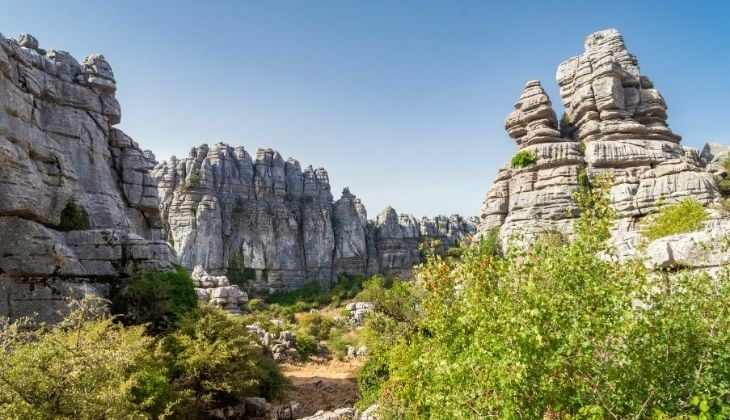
(278, 224)
(57, 146)
(617, 124)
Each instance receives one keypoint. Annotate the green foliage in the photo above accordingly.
(491, 243)
(238, 273)
(311, 296)
(85, 367)
(214, 362)
(455, 252)
(317, 325)
(192, 180)
(523, 158)
(158, 299)
(306, 344)
(256, 305)
(90, 367)
(556, 330)
(74, 217)
(564, 121)
(724, 183)
(685, 216)
(338, 343)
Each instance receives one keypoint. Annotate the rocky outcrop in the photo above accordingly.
(615, 122)
(277, 227)
(217, 291)
(78, 207)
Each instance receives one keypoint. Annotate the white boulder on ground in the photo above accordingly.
(217, 291)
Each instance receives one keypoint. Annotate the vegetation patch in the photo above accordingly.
(549, 331)
(192, 180)
(724, 184)
(523, 158)
(90, 366)
(74, 217)
(311, 296)
(686, 216)
(156, 299)
(238, 273)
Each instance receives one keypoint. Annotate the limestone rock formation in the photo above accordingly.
(616, 122)
(268, 223)
(217, 291)
(78, 207)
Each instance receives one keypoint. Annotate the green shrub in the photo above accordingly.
(214, 362)
(564, 121)
(83, 368)
(370, 379)
(685, 216)
(311, 296)
(238, 273)
(256, 305)
(317, 325)
(74, 217)
(455, 252)
(192, 180)
(523, 158)
(555, 330)
(158, 299)
(338, 343)
(306, 344)
(724, 185)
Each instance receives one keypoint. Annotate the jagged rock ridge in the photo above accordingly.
(276, 224)
(615, 122)
(61, 156)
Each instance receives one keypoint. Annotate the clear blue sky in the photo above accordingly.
(403, 101)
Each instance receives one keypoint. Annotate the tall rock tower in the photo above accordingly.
(615, 122)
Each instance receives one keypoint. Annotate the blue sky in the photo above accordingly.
(402, 101)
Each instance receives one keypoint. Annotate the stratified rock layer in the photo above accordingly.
(59, 151)
(615, 122)
(278, 226)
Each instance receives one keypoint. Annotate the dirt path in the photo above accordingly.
(322, 384)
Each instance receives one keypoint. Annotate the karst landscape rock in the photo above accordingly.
(277, 224)
(615, 124)
(84, 210)
(63, 162)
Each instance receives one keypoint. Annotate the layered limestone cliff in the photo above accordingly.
(615, 122)
(269, 223)
(78, 207)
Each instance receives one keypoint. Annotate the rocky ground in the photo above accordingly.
(323, 384)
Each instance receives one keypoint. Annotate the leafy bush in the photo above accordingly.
(724, 183)
(214, 362)
(338, 343)
(685, 216)
(564, 121)
(455, 252)
(306, 344)
(192, 180)
(158, 299)
(550, 331)
(317, 325)
(84, 367)
(74, 217)
(256, 305)
(523, 158)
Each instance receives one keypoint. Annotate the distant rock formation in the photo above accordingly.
(615, 122)
(78, 207)
(277, 225)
